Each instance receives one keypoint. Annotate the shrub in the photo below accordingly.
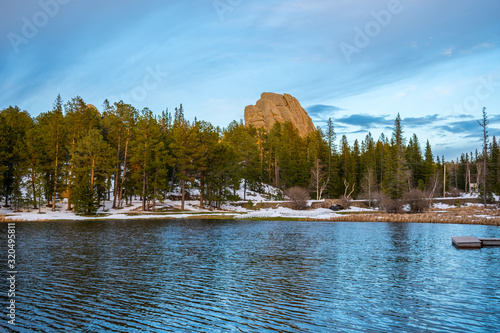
(390, 205)
(345, 201)
(417, 200)
(454, 192)
(298, 196)
(86, 200)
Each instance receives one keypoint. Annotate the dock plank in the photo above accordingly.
(490, 241)
(466, 242)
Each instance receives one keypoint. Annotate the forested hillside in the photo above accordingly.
(76, 152)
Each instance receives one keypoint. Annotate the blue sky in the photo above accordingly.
(361, 62)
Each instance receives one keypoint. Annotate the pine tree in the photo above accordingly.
(94, 161)
(218, 178)
(428, 164)
(14, 159)
(331, 136)
(244, 142)
(494, 166)
(397, 175)
(79, 119)
(52, 124)
(185, 150)
(347, 167)
(85, 196)
(485, 193)
(146, 148)
(414, 160)
(38, 162)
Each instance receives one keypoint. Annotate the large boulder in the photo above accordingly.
(272, 108)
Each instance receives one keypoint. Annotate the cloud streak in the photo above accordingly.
(101, 49)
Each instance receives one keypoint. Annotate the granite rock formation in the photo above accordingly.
(272, 108)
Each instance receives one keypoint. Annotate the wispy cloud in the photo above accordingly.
(365, 120)
(421, 121)
(448, 52)
(100, 49)
(321, 110)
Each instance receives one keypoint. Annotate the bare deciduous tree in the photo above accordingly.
(434, 183)
(346, 198)
(346, 184)
(318, 179)
(369, 184)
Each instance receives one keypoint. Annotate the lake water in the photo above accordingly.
(251, 276)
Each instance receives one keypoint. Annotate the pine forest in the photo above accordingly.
(88, 157)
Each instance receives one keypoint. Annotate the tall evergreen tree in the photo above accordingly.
(484, 125)
(147, 147)
(396, 170)
(52, 124)
(79, 120)
(414, 160)
(94, 162)
(14, 125)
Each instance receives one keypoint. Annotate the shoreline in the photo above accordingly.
(441, 212)
(428, 217)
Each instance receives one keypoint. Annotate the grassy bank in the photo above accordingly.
(459, 215)
(416, 218)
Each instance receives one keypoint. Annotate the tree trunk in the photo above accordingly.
(124, 170)
(154, 199)
(202, 188)
(276, 171)
(33, 187)
(261, 163)
(245, 189)
(219, 198)
(55, 177)
(144, 190)
(155, 189)
(92, 174)
(117, 176)
(182, 192)
(209, 197)
(71, 174)
(147, 196)
(484, 177)
(269, 167)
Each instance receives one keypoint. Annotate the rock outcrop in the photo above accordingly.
(272, 108)
(91, 106)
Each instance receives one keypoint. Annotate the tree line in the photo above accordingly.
(76, 152)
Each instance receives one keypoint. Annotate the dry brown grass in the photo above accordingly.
(461, 215)
(4, 218)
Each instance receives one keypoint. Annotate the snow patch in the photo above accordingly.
(320, 213)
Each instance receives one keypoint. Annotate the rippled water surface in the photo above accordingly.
(258, 276)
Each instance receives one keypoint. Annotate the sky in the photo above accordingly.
(359, 62)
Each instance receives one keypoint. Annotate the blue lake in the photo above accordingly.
(251, 276)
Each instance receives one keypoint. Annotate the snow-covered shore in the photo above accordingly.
(167, 209)
(171, 209)
(469, 213)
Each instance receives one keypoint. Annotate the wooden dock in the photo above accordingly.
(469, 242)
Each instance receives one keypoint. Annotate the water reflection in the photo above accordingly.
(219, 276)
